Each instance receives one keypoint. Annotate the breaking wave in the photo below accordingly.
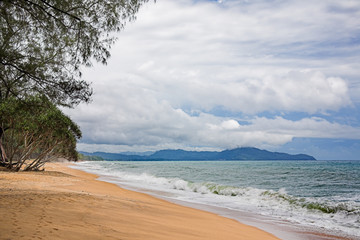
(332, 214)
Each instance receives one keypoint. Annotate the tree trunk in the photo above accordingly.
(3, 157)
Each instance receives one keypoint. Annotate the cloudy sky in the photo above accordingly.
(211, 75)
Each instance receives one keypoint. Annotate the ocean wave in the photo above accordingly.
(343, 216)
(272, 197)
(310, 204)
(335, 214)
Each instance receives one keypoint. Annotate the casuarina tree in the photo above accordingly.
(37, 131)
(44, 44)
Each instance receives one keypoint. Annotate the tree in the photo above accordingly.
(37, 130)
(43, 44)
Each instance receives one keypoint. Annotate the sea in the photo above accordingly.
(300, 196)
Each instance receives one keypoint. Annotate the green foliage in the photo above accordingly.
(89, 158)
(43, 44)
(36, 129)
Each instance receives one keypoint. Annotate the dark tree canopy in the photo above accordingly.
(43, 44)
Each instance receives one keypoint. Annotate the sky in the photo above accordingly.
(200, 75)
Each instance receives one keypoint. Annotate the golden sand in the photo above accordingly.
(64, 203)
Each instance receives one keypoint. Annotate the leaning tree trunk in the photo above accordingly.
(39, 161)
(3, 158)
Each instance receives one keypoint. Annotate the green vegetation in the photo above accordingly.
(43, 45)
(89, 158)
(36, 130)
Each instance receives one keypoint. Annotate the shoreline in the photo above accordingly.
(66, 203)
(279, 228)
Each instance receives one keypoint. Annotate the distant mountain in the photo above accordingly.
(239, 154)
(115, 156)
(184, 155)
(258, 154)
(148, 153)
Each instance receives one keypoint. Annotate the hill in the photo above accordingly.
(239, 154)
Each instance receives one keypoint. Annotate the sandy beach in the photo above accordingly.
(64, 203)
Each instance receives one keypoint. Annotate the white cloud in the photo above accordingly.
(245, 57)
(204, 56)
(134, 119)
(230, 124)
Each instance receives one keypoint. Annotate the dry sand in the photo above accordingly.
(64, 203)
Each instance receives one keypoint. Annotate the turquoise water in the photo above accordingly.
(324, 194)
